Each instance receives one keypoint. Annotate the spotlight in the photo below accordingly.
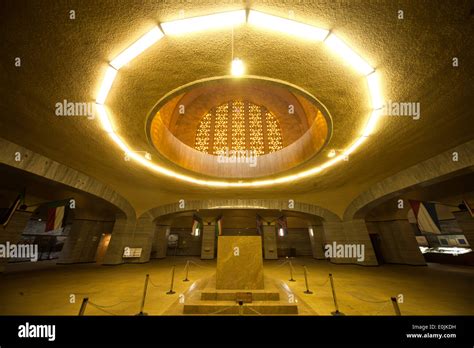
(238, 68)
(332, 153)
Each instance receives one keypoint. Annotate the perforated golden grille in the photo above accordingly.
(202, 134)
(239, 126)
(273, 133)
(256, 129)
(221, 115)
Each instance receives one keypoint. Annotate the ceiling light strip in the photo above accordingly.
(106, 85)
(137, 48)
(195, 24)
(227, 19)
(346, 53)
(104, 118)
(287, 26)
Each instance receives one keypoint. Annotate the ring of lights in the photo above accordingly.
(224, 19)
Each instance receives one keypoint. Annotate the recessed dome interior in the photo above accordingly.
(280, 124)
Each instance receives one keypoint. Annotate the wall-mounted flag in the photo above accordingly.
(197, 226)
(56, 215)
(426, 216)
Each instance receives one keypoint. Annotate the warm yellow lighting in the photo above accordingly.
(238, 68)
(106, 85)
(311, 233)
(213, 21)
(281, 232)
(104, 118)
(370, 127)
(228, 19)
(354, 146)
(373, 82)
(346, 53)
(287, 26)
(332, 154)
(136, 48)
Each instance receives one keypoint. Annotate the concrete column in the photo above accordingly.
(350, 232)
(334, 232)
(82, 242)
(160, 242)
(12, 233)
(121, 237)
(317, 241)
(208, 242)
(398, 243)
(466, 224)
(269, 243)
(143, 238)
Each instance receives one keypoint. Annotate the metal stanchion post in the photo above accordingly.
(291, 271)
(306, 281)
(144, 296)
(187, 272)
(172, 282)
(241, 307)
(334, 297)
(395, 306)
(85, 300)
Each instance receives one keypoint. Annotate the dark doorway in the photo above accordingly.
(375, 239)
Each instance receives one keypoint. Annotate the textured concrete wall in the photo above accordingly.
(83, 240)
(121, 233)
(397, 242)
(422, 172)
(466, 223)
(244, 204)
(12, 233)
(298, 239)
(188, 245)
(47, 168)
(160, 243)
(208, 242)
(269, 243)
(317, 242)
(350, 232)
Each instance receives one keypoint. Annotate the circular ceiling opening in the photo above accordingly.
(238, 128)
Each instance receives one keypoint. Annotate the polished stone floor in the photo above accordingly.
(117, 290)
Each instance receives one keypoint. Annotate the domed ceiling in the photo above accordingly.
(245, 128)
(64, 59)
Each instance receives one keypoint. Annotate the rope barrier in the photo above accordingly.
(361, 299)
(116, 304)
(153, 284)
(100, 309)
(194, 263)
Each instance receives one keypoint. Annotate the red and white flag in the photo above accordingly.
(55, 218)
